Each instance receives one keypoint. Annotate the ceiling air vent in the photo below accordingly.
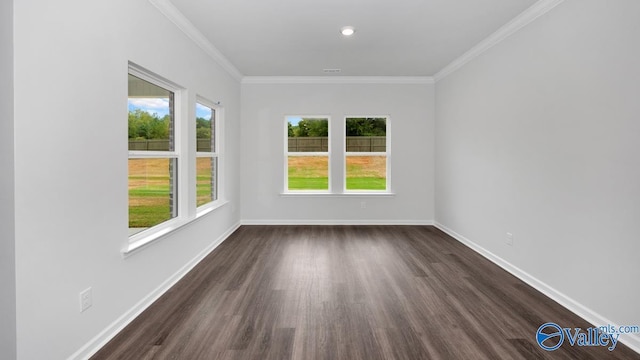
(331, 71)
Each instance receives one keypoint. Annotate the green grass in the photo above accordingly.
(148, 216)
(308, 173)
(361, 183)
(155, 208)
(203, 189)
(363, 173)
(151, 201)
(366, 183)
(155, 200)
(308, 183)
(150, 191)
(366, 173)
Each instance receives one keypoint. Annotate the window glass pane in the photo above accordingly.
(366, 172)
(206, 187)
(150, 116)
(307, 134)
(366, 134)
(152, 192)
(308, 172)
(205, 131)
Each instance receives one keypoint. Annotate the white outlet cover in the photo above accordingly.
(85, 299)
(509, 239)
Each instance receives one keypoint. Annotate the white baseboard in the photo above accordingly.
(630, 340)
(112, 330)
(335, 222)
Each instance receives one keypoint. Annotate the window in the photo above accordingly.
(307, 153)
(174, 159)
(153, 158)
(366, 154)
(206, 153)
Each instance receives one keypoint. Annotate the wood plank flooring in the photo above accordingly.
(347, 292)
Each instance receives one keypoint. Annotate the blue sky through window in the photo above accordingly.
(294, 120)
(158, 106)
(203, 111)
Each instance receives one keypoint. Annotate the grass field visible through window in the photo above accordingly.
(363, 173)
(366, 172)
(308, 172)
(149, 192)
(204, 187)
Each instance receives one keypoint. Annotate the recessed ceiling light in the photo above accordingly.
(347, 30)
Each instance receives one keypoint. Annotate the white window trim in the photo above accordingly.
(287, 154)
(386, 153)
(216, 153)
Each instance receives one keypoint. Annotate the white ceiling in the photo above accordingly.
(302, 37)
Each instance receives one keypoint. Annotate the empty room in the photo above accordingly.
(302, 179)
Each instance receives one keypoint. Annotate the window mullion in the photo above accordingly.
(153, 155)
(207, 175)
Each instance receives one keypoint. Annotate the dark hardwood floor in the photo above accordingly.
(347, 292)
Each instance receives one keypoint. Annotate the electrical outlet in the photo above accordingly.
(85, 299)
(509, 239)
(363, 205)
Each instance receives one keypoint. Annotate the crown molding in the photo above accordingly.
(338, 80)
(536, 10)
(176, 17)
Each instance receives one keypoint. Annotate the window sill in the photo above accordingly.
(207, 208)
(151, 235)
(338, 195)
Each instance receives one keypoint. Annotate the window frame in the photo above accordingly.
(301, 153)
(185, 151)
(181, 186)
(214, 154)
(386, 153)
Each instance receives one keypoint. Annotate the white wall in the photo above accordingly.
(410, 107)
(7, 229)
(540, 137)
(71, 165)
